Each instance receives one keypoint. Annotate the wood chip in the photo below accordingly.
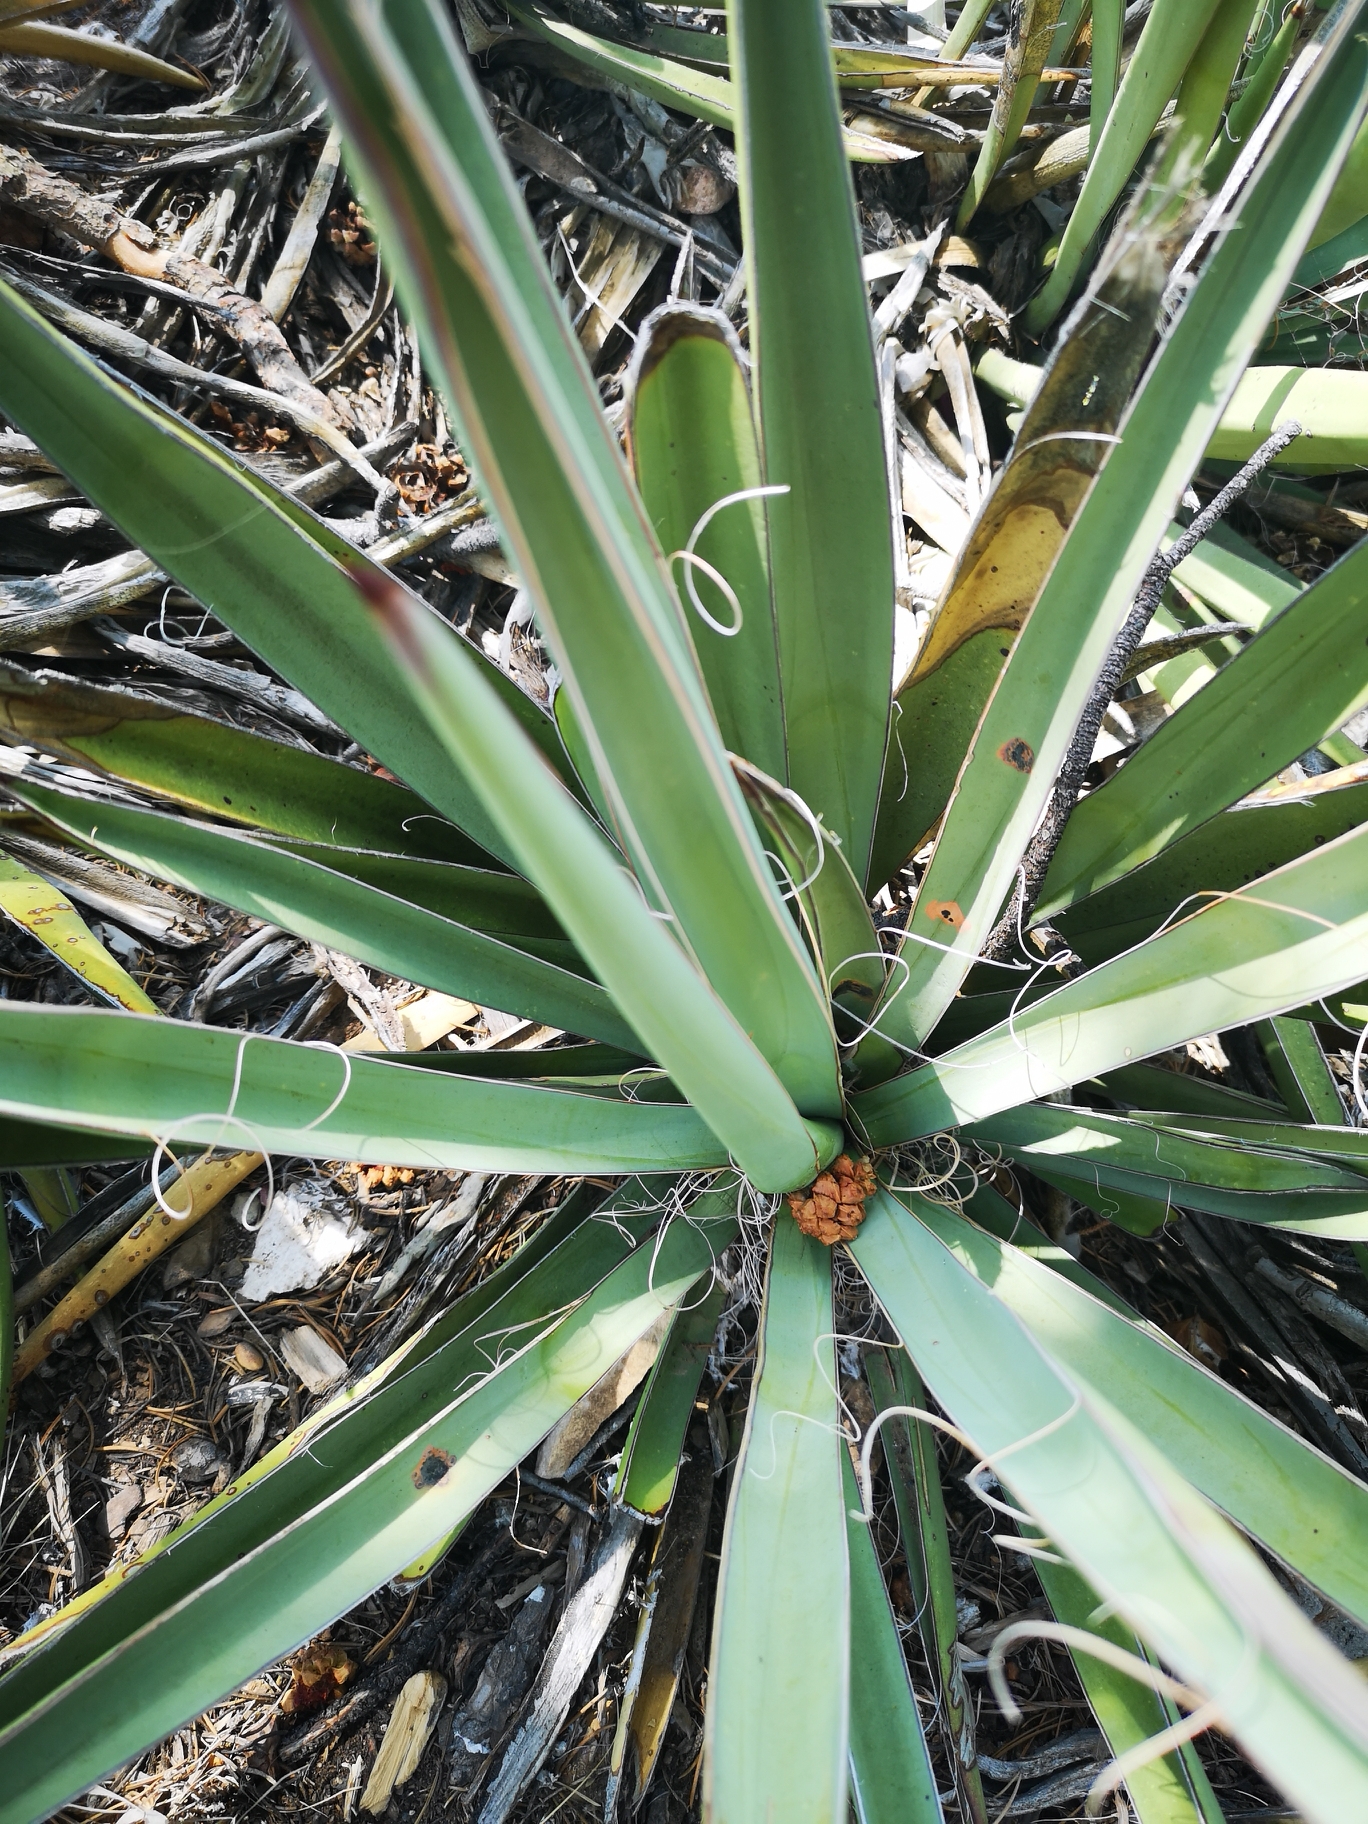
(406, 1735)
(316, 1362)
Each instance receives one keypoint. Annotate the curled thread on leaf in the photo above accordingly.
(1153, 1748)
(692, 560)
(1097, 1646)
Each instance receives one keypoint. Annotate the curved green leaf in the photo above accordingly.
(1305, 674)
(693, 91)
(1286, 1190)
(189, 759)
(831, 558)
(776, 1719)
(473, 276)
(127, 1073)
(692, 443)
(1166, 1562)
(646, 1476)
(462, 930)
(1296, 934)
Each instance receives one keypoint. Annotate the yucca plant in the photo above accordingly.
(678, 865)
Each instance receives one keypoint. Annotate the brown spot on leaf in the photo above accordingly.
(1018, 753)
(432, 1466)
(945, 912)
(832, 1207)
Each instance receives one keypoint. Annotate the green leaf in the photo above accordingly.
(1172, 33)
(909, 1448)
(650, 1457)
(472, 274)
(1327, 403)
(692, 91)
(1294, 1056)
(1012, 545)
(1166, 1562)
(1171, 1790)
(1108, 18)
(1304, 675)
(891, 1781)
(1228, 852)
(45, 912)
(1298, 934)
(262, 562)
(1286, 1493)
(125, 1073)
(692, 443)
(1203, 92)
(1349, 1144)
(461, 930)
(776, 1726)
(657, 989)
(64, 1731)
(24, 1143)
(189, 758)
(1261, 78)
(1029, 722)
(1154, 1086)
(831, 558)
(1254, 1185)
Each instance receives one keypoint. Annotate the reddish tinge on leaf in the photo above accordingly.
(832, 1207)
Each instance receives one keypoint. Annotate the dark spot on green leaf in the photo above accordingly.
(432, 1466)
(1017, 753)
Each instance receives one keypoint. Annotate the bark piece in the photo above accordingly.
(474, 1730)
(585, 1622)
